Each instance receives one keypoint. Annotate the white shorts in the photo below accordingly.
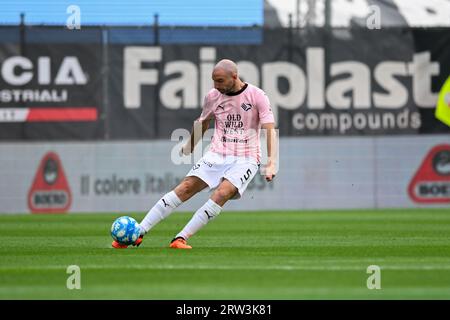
(213, 168)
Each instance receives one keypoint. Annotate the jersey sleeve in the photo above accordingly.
(264, 109)
(207, 110)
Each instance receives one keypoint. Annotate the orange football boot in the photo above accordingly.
(179, 243)
(138, 241)
(117, 245)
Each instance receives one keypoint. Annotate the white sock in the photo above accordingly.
(161, 210)
(209, 211)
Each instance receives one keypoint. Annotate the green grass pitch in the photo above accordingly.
(289, 255)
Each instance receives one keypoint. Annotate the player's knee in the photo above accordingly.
(225, 193)
(185, 189)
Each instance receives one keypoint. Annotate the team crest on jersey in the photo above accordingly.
(246, 106)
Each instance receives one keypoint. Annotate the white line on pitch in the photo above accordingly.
(229, 267)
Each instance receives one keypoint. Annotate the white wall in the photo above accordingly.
(315, 173)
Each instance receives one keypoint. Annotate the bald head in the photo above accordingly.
(225, 77)
(227, 66)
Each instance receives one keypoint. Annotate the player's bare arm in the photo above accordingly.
(198, 130)
(272, 147)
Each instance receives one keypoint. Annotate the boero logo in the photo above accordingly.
(50, 192)
(441, 163)
(431, 183)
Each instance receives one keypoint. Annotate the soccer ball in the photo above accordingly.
(125, 230)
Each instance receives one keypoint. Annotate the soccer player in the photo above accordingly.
(240, 110)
